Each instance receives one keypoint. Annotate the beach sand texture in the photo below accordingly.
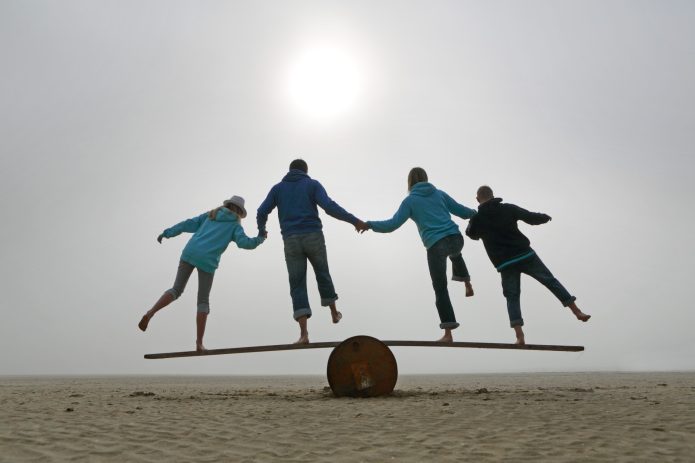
(526, 417)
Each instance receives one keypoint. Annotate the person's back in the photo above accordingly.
(510, 252)
(496, 223)
(297, 197)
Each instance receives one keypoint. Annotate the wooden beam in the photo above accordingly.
(323, 345)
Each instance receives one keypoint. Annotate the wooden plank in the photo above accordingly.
(323, 345)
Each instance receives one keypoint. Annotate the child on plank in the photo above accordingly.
(212, 233)
(510, 252)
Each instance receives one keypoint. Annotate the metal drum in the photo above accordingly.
(362, 366)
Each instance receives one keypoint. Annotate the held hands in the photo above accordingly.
(361, 227)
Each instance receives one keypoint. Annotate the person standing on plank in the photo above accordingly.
(212, 233)
(510, 252)
(296, 198)
(431, 211)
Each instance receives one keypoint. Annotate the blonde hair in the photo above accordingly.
(416, 175)
(212, 215)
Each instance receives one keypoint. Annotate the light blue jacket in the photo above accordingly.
(431, 211)
(211, 238)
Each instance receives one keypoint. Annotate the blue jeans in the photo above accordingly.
(299, 249)
(511, 286)
(448, 247)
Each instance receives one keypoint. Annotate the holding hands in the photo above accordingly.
(361, 227)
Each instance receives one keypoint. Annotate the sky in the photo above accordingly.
(122, 118)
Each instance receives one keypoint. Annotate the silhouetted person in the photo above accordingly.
(510, 252)
(431, 210)
(296, 198)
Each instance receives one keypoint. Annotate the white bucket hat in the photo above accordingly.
(238, 201)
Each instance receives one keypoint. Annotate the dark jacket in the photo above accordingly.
(496, 224)
(296, 197)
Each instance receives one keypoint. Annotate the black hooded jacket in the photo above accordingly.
(496, 224)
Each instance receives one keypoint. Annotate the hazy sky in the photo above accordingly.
(121, 118)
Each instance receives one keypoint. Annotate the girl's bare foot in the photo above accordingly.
(336, 316)
(144, 321)
(199, 347)
(520, 341)
(303, 339)
(469, 289)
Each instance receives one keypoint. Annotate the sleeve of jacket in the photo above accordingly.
(398, 219)
(331, 207)
(531, 218)
(245, 242)
(265, 209)
(187, 226)
(458, 209)
(473, 229)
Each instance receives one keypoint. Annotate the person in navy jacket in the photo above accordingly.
(297, 197)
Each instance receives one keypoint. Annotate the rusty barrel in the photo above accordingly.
(362, 366)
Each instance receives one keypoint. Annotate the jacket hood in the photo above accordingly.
(490, 203)
(422, 189)
(225, 215)
(294, 175)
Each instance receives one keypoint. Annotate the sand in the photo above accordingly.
(531, 417)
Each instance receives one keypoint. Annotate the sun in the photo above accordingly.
(324, 82)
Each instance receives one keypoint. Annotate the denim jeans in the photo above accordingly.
(204, 285)
(449, 246)
(511, 286)
(299, 249)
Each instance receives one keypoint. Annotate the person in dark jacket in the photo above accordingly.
(511, 254)
(296, 198)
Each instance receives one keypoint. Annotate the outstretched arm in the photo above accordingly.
(264, 209)
(531, 218)
(398, 219)
(245, 242)
(331, 207)
(458, 209)
(187, 226)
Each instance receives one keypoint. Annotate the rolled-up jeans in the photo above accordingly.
(447, 247)
(298, 250)
(511, 286)
(204, 285)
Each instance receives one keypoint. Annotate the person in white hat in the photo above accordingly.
(212, 233)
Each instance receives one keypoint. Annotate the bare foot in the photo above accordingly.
(336, 316)
(581, 316)
(446, 338)
(469, 290)
(144, 321)
(303, 339)
(519, 331)
(199, 347)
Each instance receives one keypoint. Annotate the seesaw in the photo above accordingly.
(363, 366)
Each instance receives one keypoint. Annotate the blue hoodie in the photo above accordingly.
(430, 209)
(211, 238)
(296, 197)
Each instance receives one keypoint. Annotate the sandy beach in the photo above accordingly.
(524, 417)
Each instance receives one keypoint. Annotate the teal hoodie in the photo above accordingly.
(211, 238)
(431, 211)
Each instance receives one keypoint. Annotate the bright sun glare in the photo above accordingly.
(324, 82)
